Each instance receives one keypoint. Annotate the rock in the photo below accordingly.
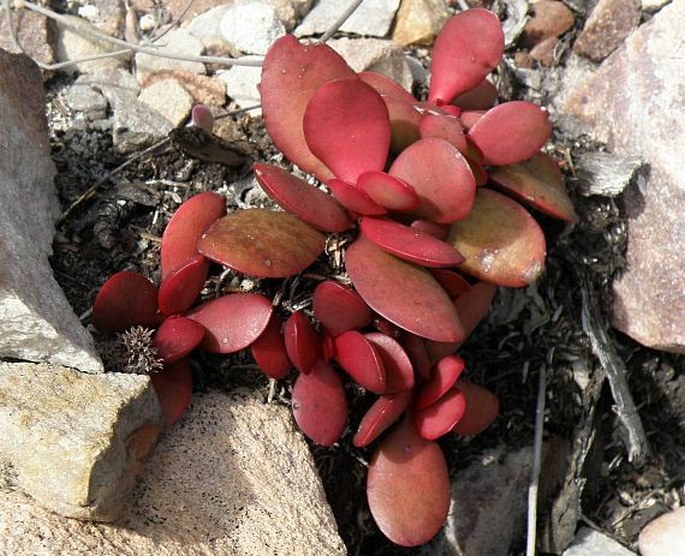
(178, 41)
(136, 125)
(605, 174)
(290, 11)
(419, 21)
(75, 442)
(631, 103)
(545, 51)
(664, 535)
(608, 25)
(589, 542)
(551, 18)
(241, 85)
(37, 322)
(652, 6)
(382, 56)
(106, 15)
(372, 18)
(206, 27)
(170, 99)
(232, 478)
(33, 33)
(204, 89)
(252, 27)
(88, 100)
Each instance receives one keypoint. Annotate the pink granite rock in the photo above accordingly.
(610, 22)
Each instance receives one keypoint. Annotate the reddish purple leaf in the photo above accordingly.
(452, 282)
(511, 132)
(320, 405)
(203, 118)
(441, 177)
(405, 118)
(445, 127)
(481, 97)
(290, 75)
(383, 85)
(262, 243)
(127, 299)
(388, 191)
(354, 199)
(339, 308)
(475, 159)
(405, 294)
(445, 374)
(176, 337)
(482, 408)
(438, 231)
(174, 388)
(304, 200)
(500, 240)
(179, 288)
(470, 117)
(302, 342)
(409, 243)
(408, 486)
(467, 49)
(383, 413)
(232, 321)
(416, 349)
(440, 418)
(361, 361)
(269, 350)
(473, 305)
(189, 222)
(346, 125)
(399, 372)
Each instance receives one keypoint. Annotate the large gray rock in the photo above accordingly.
(589, 542)
(632, 103)
(372, 18)
(74, 442)
(37, 322)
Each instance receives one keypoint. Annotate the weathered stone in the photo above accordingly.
(632, 103)
(206, 27)
(32, 32)
(589, 542)
(36, 319)
(372, 18)
(136, 125)
(204, 89)
(241, 85)
(170, 99)
(252, 27)
(545, 51)
(75, 442)
(179, 42)
(605, 174)
(419, 21)
(653, 5)
(86, 99)
(551, 18)
(106, 15)
(662, 535)
(233, 478)
(608, 25)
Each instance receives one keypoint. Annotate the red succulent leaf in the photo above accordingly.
(399, 372)
(438, 231)
(383, 85)
(189, 222)
(346, 125)
(232, 321)
(466, 50)
(389, 192)
(441, 177)
(202, 117)
(304, 200)
(475, 159)
(469, 118)
(339, 308)
(511, 132)
(444, 127)
(473, 305)
(403, 293)
(262, 243)
(405, 118)
(409, 243)
(126, 299)
(416, 349)
(360, 359)
(383, 413)
(174, 388)
(452, 282)
(319, 404)
(438, 419)
(176, 337)
(269, 350)
(180, 287)
(482, 408)
(500, 241)
(302, 342)
(290, 75)
(354, 199)
(408, 486)
(539, 183)
(481, 97)
(445, 374)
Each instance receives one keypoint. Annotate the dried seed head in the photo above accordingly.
(142, 355)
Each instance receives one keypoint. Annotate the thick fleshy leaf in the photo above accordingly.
(383, 85)
(174, 388)
(482, 408)
(475, 159)
(346, 125)
(269, 350)
(445, 374)
(189, 222)
(539, 183)
(402, 292)
(409, 243)
(408, 486)
(290, 75)
(202, 117)
(302, 342)
(361, 361)
(399, 372)
(180, 287)
(452, 282)
(444, 127)
(481, 97)
(302, 199)
(511, 132)
(438, 231)
(405, 118)
(416, 349)
(176, 337)
(469, 118)
(339, 308)
(388, 191)
(262, 243)
(500, 240)
(354, 199)
(232, 321)
(320, 405)
(126, 299)
(383, 413)
(466, 50)
(438, 419)
(441, 177)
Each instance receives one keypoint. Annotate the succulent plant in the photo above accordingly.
(423, 193)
